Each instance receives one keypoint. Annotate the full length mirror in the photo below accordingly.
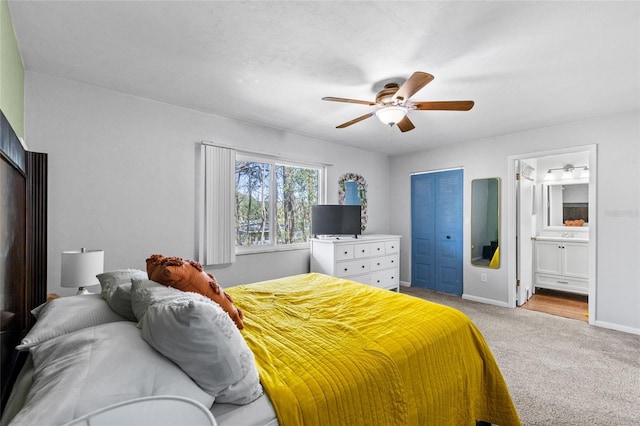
(485, 222)
(567, 205)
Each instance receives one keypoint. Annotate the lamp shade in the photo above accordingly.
(79, 268)
(392, 114)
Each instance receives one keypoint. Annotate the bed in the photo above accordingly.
(333, 351)
(308, 349)
(313, 349)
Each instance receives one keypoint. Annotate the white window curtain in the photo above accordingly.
(217, 233)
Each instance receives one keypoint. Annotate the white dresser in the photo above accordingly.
(562, 264)
(368, 259)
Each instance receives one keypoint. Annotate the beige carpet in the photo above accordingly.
(559, 371)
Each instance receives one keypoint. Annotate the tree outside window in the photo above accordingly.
(273, 202)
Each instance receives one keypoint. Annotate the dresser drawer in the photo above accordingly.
(386, 278)
(361, 250)
(344, 252)
(354, 267)
(391, 247)
(362, 279)
(384, 262)
(377, 249)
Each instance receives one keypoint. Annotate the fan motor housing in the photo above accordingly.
(385, 95)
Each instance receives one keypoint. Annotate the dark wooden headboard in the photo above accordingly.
(23, 246)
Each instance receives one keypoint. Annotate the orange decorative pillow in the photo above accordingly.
(187, 275)
(152, 263)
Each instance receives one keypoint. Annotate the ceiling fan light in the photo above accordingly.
(391, 114)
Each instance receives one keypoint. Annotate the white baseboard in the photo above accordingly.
(472, 298)
(485, 300)
(617, 327)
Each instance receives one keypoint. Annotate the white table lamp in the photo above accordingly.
(79, 268)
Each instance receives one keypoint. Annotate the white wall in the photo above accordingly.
(618, 188)
(122, 173)
(122, 176)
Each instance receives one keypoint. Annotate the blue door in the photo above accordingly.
(436, 231)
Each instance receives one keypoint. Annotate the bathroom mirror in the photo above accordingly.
(485, 222)
(566, 204)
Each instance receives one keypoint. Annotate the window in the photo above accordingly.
(273, 202)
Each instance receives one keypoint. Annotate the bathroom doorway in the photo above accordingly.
(554, 255)
(559, 303)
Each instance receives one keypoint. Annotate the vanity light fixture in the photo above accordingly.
(567, 171)
(585, 172)
(549, 175)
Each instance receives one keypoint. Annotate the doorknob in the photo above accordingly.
(448, 237)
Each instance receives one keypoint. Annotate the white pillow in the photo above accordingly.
(199, 336)
(80, 372)
(68, 314)
(146, 292)
(116, 289)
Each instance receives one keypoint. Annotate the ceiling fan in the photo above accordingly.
(392, 103)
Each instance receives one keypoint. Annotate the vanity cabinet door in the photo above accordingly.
(549, 257)
(576, 260)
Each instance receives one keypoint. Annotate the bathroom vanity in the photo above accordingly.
(562, 264)
(561, 248)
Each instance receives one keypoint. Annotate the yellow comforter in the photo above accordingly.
(335, 352)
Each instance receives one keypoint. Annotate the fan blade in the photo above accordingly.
(355, 120)
(405, 124)
(351, 101)
(443, 105)
(416, 82)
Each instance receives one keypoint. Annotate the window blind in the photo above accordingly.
(218, 228)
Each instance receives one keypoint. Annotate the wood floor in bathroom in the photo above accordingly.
(568, 305)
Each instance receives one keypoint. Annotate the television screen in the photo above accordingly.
(330, 219)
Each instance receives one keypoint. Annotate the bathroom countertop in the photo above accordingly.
(563, 239)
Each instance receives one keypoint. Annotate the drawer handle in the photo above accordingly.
(378, 263)
(378, 249)
(346, 269)
(346, 252)
(392, 261)
(362, 266)
(378, 281)
(362, 250)
(563, 282)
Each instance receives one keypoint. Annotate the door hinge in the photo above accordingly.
(517, 283)
(517, 176)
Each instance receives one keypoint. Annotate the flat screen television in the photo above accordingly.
(334, 219)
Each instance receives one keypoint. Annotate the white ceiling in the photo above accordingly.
(525, 64)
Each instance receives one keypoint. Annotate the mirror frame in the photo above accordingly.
(545, 205)
(362, 194)
(494, 261)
